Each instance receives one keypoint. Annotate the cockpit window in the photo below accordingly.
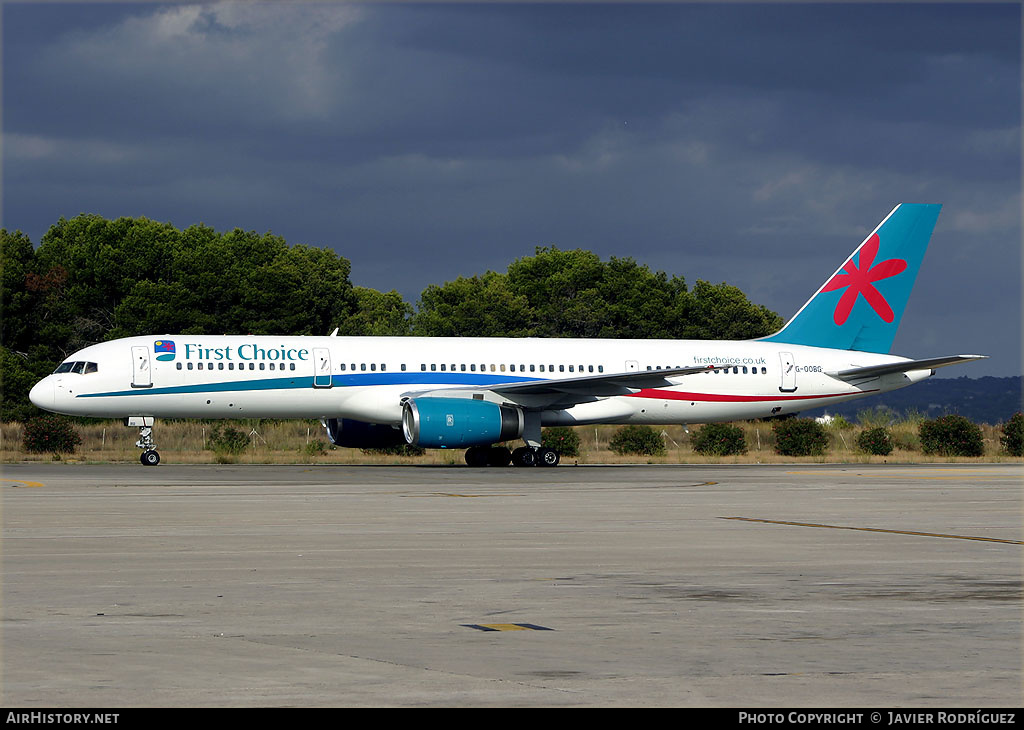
(80, 367)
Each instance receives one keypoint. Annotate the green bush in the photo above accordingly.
(799, 437)
(316, 447)
(719, 439)
(228, 440)
(50, 434)
(637, 440)
(1013, 435)
(951, 435)
(562, 439)
(875, 441)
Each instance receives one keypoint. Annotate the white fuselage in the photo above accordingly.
(366, 378)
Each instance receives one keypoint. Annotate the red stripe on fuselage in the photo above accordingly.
(726, 398)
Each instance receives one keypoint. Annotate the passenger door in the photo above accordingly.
(142, 376)
(322, 365)
(788, 384)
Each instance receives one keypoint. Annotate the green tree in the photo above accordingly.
(721, 311)
(17, 265)
(379, 314)
(575, 294)
(479, 306)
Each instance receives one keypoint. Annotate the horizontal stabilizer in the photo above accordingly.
(874, 371)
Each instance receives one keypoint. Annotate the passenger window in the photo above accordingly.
(373, 366)
(190, 366)
(462, 367)
(561, 368)
(531, 368)
(261, 366)
(199, 366)
(403, 367)
(291, 366)
(178, 365)
(433, 367)
(220, 366)
(472, 367)
(343, 367)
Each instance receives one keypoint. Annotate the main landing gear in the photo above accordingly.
(479, 456)
(149, 456)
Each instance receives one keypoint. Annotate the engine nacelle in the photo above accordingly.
(354, 434)
(449, 423)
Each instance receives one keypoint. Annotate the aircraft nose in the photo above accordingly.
(42, 394)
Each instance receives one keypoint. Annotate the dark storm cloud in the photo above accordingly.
(718, 142)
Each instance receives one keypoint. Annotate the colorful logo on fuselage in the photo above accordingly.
(859, 282)
(164, 349)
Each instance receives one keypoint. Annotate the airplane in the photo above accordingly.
(477, 393)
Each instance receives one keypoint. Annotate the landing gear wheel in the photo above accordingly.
(150, 458)
(524, 456)
(547, 457)
(477, 456)
(498, 456)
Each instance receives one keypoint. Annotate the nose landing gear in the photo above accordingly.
(149, 456)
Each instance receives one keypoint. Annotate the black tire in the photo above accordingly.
(150, 458)
(499, 456)
(477, 456)
(548, 457)
(524, 456)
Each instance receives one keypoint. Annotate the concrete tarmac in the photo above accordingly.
(803, 585)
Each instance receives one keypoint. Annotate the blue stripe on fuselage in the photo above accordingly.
(338, 381)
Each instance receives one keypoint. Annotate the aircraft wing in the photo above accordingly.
(874, 371)
(567, 392)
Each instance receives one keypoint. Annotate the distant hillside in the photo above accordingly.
(982, 400)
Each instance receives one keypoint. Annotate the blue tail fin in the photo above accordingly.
(860, 306)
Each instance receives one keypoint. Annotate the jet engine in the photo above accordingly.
(451, 423)
(354, 434)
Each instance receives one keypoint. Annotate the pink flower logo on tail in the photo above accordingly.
(859, 281)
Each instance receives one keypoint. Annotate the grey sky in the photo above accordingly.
(754, 144)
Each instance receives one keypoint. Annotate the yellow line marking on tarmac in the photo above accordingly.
(507, 627)
(21, 483)
(877, 529)
(467, 496)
